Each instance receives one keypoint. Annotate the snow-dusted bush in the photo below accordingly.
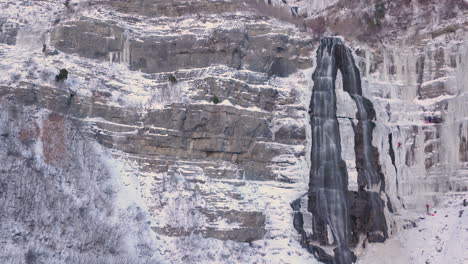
(62, 76)
(172, 79)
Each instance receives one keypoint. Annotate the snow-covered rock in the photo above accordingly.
(182, 135)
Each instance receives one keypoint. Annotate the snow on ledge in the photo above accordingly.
(431, 101)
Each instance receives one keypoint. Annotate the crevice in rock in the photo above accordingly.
(391, 151)
(392, 157)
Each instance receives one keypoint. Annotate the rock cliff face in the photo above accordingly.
(214, 132)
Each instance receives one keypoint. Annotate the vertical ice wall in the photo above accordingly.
(409, 85)
(340, 217)
(328, 176)
(371, 180)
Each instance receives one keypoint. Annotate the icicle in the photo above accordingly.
(126, 50)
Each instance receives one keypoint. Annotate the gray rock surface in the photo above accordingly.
(8, 32)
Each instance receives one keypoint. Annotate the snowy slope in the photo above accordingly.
(437, 238)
